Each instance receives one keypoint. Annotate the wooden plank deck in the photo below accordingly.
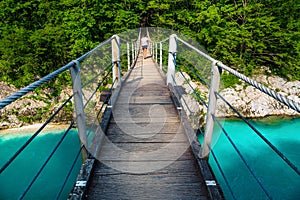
(146, 154)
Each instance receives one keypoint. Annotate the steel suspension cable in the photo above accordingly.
(197, 50)
(78, 153)
(96, 48)
(127, 41)
(6, 101)
(288, 102)
(164, 40)
(291, 104)
(193, 116)
(98, 114)
(194, 90)
(279, 153)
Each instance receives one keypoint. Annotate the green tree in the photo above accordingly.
(39, 36)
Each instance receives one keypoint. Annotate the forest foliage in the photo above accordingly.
(40, 36)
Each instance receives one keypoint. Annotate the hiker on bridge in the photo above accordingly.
(145, 43)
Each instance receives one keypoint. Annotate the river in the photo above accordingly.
(18, 175)
(276, 176)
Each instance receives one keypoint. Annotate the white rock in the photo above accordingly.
(276, 82)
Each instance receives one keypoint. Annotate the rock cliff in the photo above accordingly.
(250, 102)
(33, 107)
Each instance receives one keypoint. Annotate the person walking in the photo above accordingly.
(145, 43)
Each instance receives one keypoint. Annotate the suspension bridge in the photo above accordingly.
(138, 142)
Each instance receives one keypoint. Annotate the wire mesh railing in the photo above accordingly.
(181, 62)
(93, 72)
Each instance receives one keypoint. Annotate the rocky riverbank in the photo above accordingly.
(250, 102)
(35, 107)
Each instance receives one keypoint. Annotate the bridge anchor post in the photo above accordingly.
(171, 59)
(79, 107)
(160, 55)
(116, 60)
(214, 87)
(128, 55)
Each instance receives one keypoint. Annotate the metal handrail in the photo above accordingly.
(264, 89)
(6, 101)
(288, 102)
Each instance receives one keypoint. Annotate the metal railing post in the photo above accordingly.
(156, 52)
(214, 87)
(132, 51)
(160, 55)
(153, 51)
(128, 55)
(135, 49)
(79, 108)
(171, 59)
(115, 51)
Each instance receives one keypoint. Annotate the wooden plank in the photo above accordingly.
(145, 99)
(138, 148)
(144, 151)
(143, 160)
(144, 79)
(185, 183)
(144, 110)
(145, 189)
(146, 138)
(165, 128)
(137, 110)
(139, 92)
(153, 120)
(180, 166)
(146, 75)
(139, 129)
(146, 87)
(161, 179)
(137, 85)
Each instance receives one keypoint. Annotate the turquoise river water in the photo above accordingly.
(19, 174)
(278, 178)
